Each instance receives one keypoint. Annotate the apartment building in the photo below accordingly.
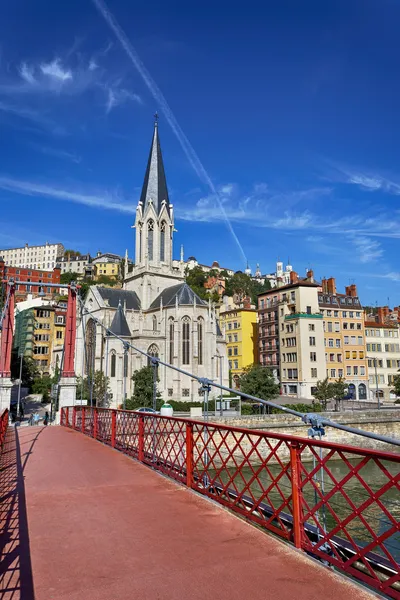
(344, 337)
(291, 336)
(383, 356)
(22, 274)
(33, 257)
(107, 264)
(239, 326)
(80, 264)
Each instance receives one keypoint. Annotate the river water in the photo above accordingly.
(370, 475)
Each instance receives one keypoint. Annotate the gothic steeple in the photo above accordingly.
(155, 189)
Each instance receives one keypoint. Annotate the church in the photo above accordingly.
(156, 311)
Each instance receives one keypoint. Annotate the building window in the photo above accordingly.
(355, 370)
(348, 370)
(337, 343)
(171, 341)
(312, 341)
(292, 389)
(346, 340)
(313, 356)
(152, 352)
(362, 370)
(162, 241)
(150, 239)
(311, 327)
(185, 392)
(59, 335)
(235, 364)
(200, 340)
(330, 342)
(154, 323)
(170, 392)
(340, 373)
(333, 372)
(313, 372)
(113, 364)
(185, 341)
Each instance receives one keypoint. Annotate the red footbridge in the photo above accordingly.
(116, 504)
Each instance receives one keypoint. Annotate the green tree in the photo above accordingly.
(100, 384)
(29, 369)
(143, 389)
(259, 381)
(396, 387)
(239, 283)
(258, 288)
(42, 385)
(67, 278)
(196, 279)
(106, 280)
(323, 392)
(72, 252)
(339, 391)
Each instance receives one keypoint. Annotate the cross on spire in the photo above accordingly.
(156, 118)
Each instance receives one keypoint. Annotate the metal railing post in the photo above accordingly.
(74, 418)
(141, 439)
(189, 455)
(83, 419)
(113, 427)
(62, 419)
(295, 460)
(95, 424)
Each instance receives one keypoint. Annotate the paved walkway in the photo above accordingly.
(80, 520)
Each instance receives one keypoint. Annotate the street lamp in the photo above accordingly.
(376, 380)
(221, 410)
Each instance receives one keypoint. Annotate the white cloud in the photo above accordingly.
(55, 70)
(104, 200)
(33, 116)
(117, 96)
(367, 181)
(26, 73)
(369, 250)
(63, 154)
(93, 65)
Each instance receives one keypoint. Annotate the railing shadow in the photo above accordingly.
(16, 581)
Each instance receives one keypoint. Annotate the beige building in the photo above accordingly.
(291, 336)
(80, 264)
(383, 355)
(343, 323)
(33, 257)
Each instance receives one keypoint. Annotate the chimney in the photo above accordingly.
(331, 286)
(324, 286)
(294, 278)
(310, 275)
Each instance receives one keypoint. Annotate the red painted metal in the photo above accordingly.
(141, 439)
(7, 333)
(74, 418)
(70, 335)
(189, 455)
(289, 485)
(95, 423)
(3, 426)
(295, 465)
(83, 418)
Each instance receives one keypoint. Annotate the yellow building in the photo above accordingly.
(240, 329)
(344, 337)
(108, 265)
(43, 338)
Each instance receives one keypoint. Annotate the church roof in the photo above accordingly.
(182, 292)
(155, 183)
(116, 296)
(119, 325)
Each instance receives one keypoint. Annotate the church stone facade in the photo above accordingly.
(156, 310)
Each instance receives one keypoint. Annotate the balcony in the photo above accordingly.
(301, 315)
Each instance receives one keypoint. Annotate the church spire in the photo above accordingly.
(155, 183)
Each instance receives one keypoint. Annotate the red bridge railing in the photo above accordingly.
(3, 426)
(338, 503)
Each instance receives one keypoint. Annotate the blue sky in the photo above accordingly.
(284, 120)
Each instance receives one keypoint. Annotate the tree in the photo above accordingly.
(99, 385)
(29, 369)
(396, 388)
(239, 283)
(196, 279)
(323, 392)
(143, 389)
(258, 288)
(67, 278)
(42, 385)
(259, 381)
(106, 280)
(339, 391)
(72, 252)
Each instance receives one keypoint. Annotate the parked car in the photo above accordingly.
(148, 410)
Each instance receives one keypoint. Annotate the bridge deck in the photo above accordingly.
(84, 521)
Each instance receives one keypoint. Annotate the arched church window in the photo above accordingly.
(154, 323)
(171, 340)
(90, 343)
(140, 243)
(200, 332)
(152, 351)
(150, 238)
(185, 341)
(162, 241)
(113, 364)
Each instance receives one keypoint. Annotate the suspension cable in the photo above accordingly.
(315, 420)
